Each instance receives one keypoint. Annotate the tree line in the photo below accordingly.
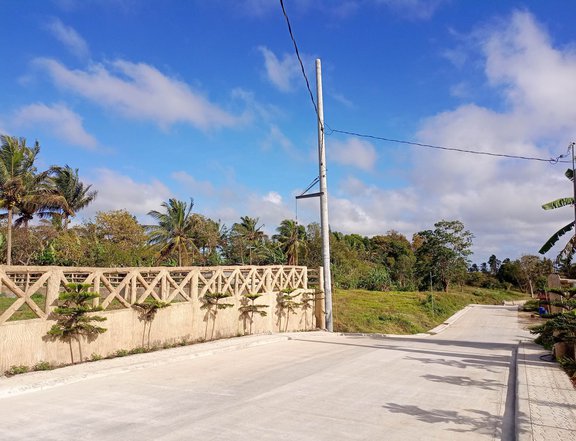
(434, 259)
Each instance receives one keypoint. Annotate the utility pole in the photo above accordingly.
(574, 185)
(324, 202)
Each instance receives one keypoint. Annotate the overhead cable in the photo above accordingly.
(555, 160)
(299, 59)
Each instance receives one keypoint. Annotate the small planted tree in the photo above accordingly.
(212, 305)
(249, 308)
(147, 312)
(558, 333)
(307, 302)
(286, 304)
(74, 318)
(567, 300)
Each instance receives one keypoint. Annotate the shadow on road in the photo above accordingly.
(470, 420)
(460, 380)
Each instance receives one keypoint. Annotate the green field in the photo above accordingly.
(397, 312)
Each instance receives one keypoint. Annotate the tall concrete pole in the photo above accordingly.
(324, 201)
(574, 185)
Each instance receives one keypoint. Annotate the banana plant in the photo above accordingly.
(570, 247)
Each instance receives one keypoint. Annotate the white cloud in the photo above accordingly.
(69, 37)
(282, 73)
(499, 200)
(272, 197)
(538, 79)
(57, 119)
(352, 152)
(121, 192)
(140, 91)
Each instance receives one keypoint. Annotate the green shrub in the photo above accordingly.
(17, 370)
(121, 353)
(43, 366)
(531, 305)
(376, 279)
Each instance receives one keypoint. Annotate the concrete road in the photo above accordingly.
(315, 386)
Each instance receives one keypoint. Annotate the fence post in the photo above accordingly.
(52, 290)
(319, 306)
(194, 285)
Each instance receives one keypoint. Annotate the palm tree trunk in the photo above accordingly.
(9, 238)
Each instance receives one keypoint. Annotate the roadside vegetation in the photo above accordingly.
(402, 312)
(38, 212)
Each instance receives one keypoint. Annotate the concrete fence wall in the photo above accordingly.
(36, 289)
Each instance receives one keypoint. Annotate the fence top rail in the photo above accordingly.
(21, 269)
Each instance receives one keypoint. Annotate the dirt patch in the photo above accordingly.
(528, 319)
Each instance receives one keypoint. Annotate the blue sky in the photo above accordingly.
(204, 99)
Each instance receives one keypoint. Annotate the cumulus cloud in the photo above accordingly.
(140, 91)
(282, 73)
(120, 192)
(500, 200)
(57, 119)
(537, 78)
(69, 38)
(352, 152)
(497, 199)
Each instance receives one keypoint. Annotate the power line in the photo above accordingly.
(300, 60)
(555, 160)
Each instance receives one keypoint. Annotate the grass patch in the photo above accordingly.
(397, 312)
(24, 312)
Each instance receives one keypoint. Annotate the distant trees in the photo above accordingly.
(246, 240)
(174, 230)
(76, 194)
(528, 273)
(23, 190)
(292, 240)
(433, 259)
(442, 257)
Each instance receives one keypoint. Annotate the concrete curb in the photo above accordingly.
(43, 380)
(449, 321)
(523, 420)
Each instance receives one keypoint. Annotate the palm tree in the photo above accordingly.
(291, 237)
(77, 195)
(174, 230)
(248, 234)
(22, 189)
(570, 248)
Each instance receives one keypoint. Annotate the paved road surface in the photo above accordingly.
(315, 386)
